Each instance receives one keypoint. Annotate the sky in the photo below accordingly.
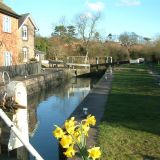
(117, 16)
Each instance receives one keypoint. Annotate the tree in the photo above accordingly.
(71, 31)
(60, 31)
(128, 39)
(110, 36)
(146, 39)
(86, 29)
(97, 36)
(41, 43)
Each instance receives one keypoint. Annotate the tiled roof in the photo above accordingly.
(22, 18)
(7, 10)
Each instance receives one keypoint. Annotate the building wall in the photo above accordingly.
(8, 41)
(27, 43)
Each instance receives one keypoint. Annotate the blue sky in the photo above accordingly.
(118, 16)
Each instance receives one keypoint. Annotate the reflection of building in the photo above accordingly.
(78, 86)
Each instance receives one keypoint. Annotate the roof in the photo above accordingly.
(23, 18)
(7, 10)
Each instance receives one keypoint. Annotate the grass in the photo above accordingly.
(157, 67)
(130, 129)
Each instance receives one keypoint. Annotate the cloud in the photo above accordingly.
(129, 3)
(97, 6)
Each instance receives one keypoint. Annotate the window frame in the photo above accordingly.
(25, 32)
(7, 24)
(7, 58)
(25, 52)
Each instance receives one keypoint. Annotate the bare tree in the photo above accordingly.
(86, 24)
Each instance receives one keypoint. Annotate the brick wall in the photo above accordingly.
(9, 40)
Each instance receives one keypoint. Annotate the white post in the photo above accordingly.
(107, 60)
(19, 124)
(111, 59)
(28, 146)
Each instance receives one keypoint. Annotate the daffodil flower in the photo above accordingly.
(70, 152)
(70, 125)
(91, 120)
(58, 132)
(94, 153)
(66, 141)
(74, 135)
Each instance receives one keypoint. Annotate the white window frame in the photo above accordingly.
(25, 32)
(7, 58)
(25, 54)
(6, 24)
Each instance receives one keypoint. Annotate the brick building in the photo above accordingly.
(17, 34)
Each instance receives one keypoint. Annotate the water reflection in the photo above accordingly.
(53, 107)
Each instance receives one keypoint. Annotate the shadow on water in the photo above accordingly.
(53, 107)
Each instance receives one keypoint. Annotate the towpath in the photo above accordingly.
(95, 101)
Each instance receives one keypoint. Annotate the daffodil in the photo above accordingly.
(66, 141)
(70, 125)
(91, 120)
(94, 153)
(85, 129)
(70, 152)
(76, 136)
(58, 132)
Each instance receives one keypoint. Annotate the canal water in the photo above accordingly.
(51, 108)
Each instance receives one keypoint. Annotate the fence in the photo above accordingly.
(22, 69)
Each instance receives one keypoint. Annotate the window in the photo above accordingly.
(7, 24)
(25, 54)
(25, 33)
(7, 58)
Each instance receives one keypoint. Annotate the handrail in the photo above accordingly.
(28, 146)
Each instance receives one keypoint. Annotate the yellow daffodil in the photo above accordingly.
(91, 120)
(66, 141)
(70, 152)
(70, 125)
(94, 153)
(76, 135)
(58, 132)
(85, 129)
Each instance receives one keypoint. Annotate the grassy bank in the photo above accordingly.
(130, 129)
(157, 67)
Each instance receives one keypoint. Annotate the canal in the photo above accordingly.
(53, 107)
